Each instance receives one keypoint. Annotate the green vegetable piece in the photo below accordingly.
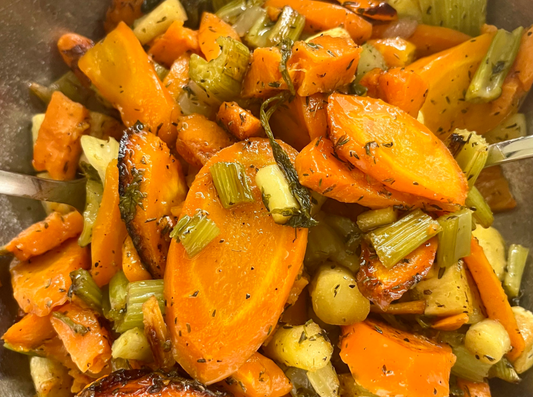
(375, 218)
(370, 59)
(229, 11)
(516, 263)
(258, 34)
(94, 192)
(467, 366)
(195, 232)
(482, 212)
(285, 47)
(132, 345)
(470, 151)
(231, 183)
(118, 292)
(504, 370)
(511, 128)
(466, 16)
(85, 288)
(289, 26)
(486, 86)
(454, 240)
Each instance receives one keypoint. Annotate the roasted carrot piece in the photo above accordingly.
(151, 182)
(241, 123)
(494, 297)
(322, 170)
(42, 283)
(122, 11)
(523, 66)
(385, 359)
(324, 64)
(451, 323)
(87, 342)
(397, 52)
(398, 87)
(58, 146)
(412, 307)
(313, 110)
(394, 148)
(376, 10)
(157, 333)
(199, 139)
(258, 377)
(211, 28)
(263, 78)
(251, 244)
(178, 76)
(287, 124)
(494, 187)
(381, 285)
(29, 333)
(474, 389)
(321, 16)
(45, 235)
(122, 72)
(109, 231)
(175, 42)
(429, 40)
(72, 46)
(132, 265)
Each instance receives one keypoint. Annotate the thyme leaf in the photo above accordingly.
(132, 196)
(285, 47)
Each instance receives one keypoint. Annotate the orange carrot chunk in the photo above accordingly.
(29, 333)
(474, 389)
(132, 266)
(87, 342)
(227, 311)
(495, 189)
(258, 377)
(72, 46)
(493, 297)
(394, 148)
(175, 42)
(320, 16)
(178, 76)
(109, 231)
(429, 40)
(397, 52)
(58, 147)
(239, 122)
(211, 28)
(45, 235)
(387, 361)
(451, 323)
(43, 282)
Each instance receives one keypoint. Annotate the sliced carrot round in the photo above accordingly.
(225, 301)
(394, 148)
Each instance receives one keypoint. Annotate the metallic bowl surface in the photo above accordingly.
(29, 30)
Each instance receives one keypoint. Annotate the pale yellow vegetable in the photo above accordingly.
(524, 320)
(132, 345)
(488, 341)
(36, 122)
(325, 381)
(494, 246)
(159, 20)
(51, 379)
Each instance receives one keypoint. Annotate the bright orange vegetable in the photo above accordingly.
(45, 235)
(122, 72)
(429, 40)
(376, 10)
(474, 389)
(211, 28)
(390, 362)
(412, 307)
(324, 64)
(199, 139)
(72, 46)
(132, 266)
(321, 16)
(151, 182)
(109, 231)
(89, 346)
(58, 148)
(494, 187)
(241, 123)
(29, 333)
(178, 76)
(287, 124)
(452, 323)
(381, 285)
(322, 170)
(258, 377)
(398, 87)
(394, 148)
(122, 11)
(494, 297)
(175, 42)
(229, 311)
(523, 66)
(42, 283)
(397, 52)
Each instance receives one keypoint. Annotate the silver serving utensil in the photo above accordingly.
(66, 192)
(507, 151)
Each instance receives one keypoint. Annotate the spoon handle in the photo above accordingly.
(66, 192)
(507, 151)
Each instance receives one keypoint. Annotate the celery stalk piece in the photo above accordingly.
(151, 25)
(194, 99)
(195, 232)
(467, 366)
(85, 288)
(99, 153)
(247, 19)
(473, 154)
(511, 128)
(219, 4)
(370, 59)
(504, 370)
(132, 345)
(231, 183)
(486, 86)
(259, 32)
(138, 293)
(454, 240)
(289, 25)
(467, 16)
(160, 70)
(375, 218)
(221, 77)
(516, 262)
(231, 11)
(94, 192)
(482, 212)
(118, 292)
(394, 242)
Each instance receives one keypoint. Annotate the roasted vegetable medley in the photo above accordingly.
(282, 197)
